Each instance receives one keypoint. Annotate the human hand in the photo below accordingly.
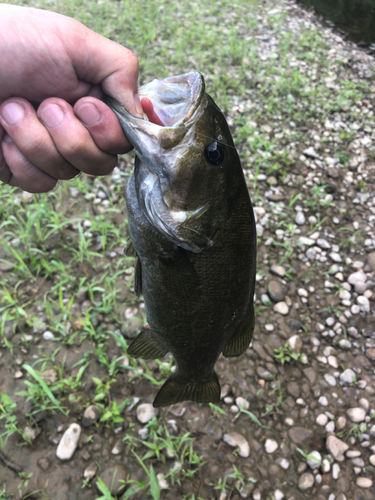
(62, 67)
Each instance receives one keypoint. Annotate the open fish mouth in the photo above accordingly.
(170, 107)
(173, 100)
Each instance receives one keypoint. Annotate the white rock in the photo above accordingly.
(145, 412)
(300, 218)
(364, 482)
(356, 415)
(335, 471)
(322, 419)
(322, 243)
(330, 379)
(305, 481)
(326, 466)
(330, 427)
(345, 344)
(90, 471)
(270, 445)
(332, 361)
(347, 376)
(284, 463)
(278, 495)
(323, 401)
(302, 292)
(236, 440)
(48, 335)
(281, 308)
(335, 257)
(302, 240)
(314, 460)
(242, 403)
(295, 343)
(372, 460)
(69, 442)
(163, 483)
(364, 303)
(357, 277)
(372, 431)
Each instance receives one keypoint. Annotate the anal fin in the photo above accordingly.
(174, 391)
(146, 346)
(241, 338)
(129, 249)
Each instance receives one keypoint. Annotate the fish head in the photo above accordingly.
(187, 164)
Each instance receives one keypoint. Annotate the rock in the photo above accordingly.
(300, 219)
(348, 376)
(371, 261)
(48, 336)
(114, 478)
(145, 412)
(330, 379)
(264, 374)
(305, 481)
(276, 291)
(299, 434)
(322, 419)
(270, 445)
(90, 416)
(336, 447)
(236, 440)
(32, 432)
(364, 482)
(278, 270)
(295, 343)
(322, 243)
(310, 373)
(357, 277)
(335, 471)
(314, 460)
(370, 353)
(356, 415)
(372, 460)
(118, 448)
(242, 403)
(69, 442)
(90, 471)
(281, 308)
(44, 463)
(335, 257)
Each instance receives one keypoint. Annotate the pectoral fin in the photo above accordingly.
(241, 338)
(146, 346)
(129, 249)
(174, 391)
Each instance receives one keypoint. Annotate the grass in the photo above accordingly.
(67, 274)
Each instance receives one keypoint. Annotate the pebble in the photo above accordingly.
(322, 419)
(330, 379)
(48, 335)
(284, 463)
(364, 482)
(335, 471)
(336, 447)
(146, 412)
(69, 442)
(281, 308)
(276, 291)
(163, 483)
(326, 466)
(242, 403)
(90, 471)
(300, 219)
(372, 460)
(270, 445)
(356, 415)
(90, 415)
(115, 478)
(335, 257)
(323, 401)
(305, 481)
(295, 343)
(278, 270)
(236, 440)
(347, 376)
(314, 460)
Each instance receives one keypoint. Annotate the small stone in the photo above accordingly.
(348, 376)
(236, 440)
(44, 463)
(322, 419)
(69, 442)
(278, 495)
(345, 344)
(372, 460)
(335, 471)
(300, 219)
(90, 471)
(242, 403)
(295, 343)
(335, 257)
(284, 463)
(330, 379)
(278, 270)
(48, 335)
(314, 460)
(281, 308)
(336, 447)
(322, 243)
(371, 261)
(299, 434)
(330, 427)
(32, 432)
(323, 401)
(270, 445)
(145, 412)
(356, 415)
(326, 466)
(305, 481)
(163, 483)
(118, 448)
(90, 415)
(276, 291)
(364, 482)
(115, 478)
(18, 374)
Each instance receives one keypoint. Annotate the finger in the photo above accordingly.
(73, 140)
(103, 125)
(100, 60)
(16, 170)
(32, 139)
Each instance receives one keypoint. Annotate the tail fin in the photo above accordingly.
(174, 391)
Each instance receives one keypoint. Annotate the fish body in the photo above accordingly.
(193, 231)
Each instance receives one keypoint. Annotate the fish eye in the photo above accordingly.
(214, 154)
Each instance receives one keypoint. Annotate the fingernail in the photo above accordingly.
(13, 113)
(52, 115)
(138, 105)
(7, 138)
(88, 113)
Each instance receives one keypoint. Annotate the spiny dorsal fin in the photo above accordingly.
(241, 338)
(129, 249)
(146, 346)
(174, 391)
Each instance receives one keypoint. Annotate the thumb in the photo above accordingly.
(98, 60)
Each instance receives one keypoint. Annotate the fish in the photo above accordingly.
(192, 233)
